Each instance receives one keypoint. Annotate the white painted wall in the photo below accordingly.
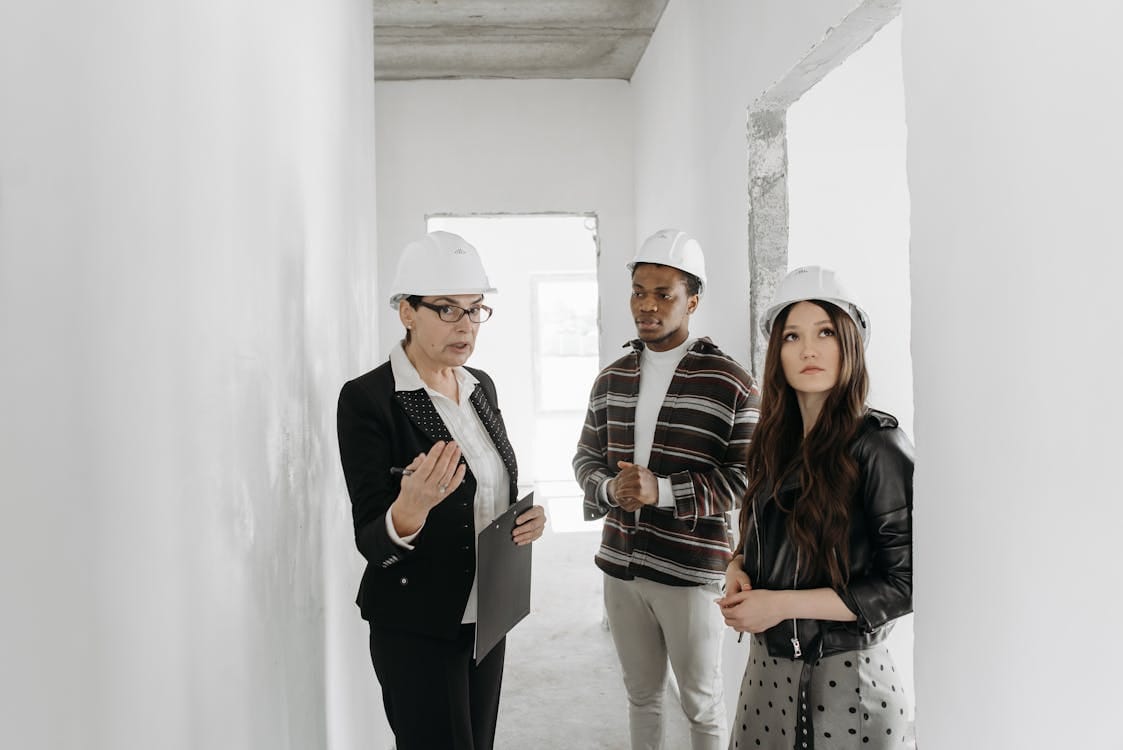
(463, 147)
(849, 203)
(706, 63)
(849, 209)
(1014, 115)
(186, 207)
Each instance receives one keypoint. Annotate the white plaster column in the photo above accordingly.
(1014, 111)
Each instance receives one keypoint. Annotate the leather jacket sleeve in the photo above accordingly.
(880, 590)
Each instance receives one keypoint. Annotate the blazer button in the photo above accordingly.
(404, 581)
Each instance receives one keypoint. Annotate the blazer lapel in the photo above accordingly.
(493, 423)
(419, 408)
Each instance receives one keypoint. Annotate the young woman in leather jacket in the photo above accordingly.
(826, 528)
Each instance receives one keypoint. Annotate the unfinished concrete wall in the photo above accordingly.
(769, 205)
(186, 200)
(1014, 112)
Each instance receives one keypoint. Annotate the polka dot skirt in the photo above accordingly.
(856, 701)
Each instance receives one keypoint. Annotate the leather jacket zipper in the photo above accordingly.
(795, 632)
(797, 650)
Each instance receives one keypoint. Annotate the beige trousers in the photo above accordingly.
(653, 624)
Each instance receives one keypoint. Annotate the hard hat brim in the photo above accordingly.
(701, 279)
(857, 314)
(399, 296)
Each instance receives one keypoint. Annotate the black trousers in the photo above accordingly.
(434, 694)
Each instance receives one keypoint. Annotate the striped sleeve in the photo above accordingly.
(718, 489)
(590, 463)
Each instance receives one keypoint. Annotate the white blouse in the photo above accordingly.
(493, 485)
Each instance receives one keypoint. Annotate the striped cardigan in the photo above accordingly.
(701, 440)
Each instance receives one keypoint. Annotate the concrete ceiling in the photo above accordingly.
(416, 39)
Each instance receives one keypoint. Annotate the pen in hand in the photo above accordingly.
(399, 470)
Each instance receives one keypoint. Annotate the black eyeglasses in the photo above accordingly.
(453, 313)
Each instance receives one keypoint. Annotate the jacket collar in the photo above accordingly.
(881, 419)
(493, 423)
(406, 377)
(701, 345)
(418, 406)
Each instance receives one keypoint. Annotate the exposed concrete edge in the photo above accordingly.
(768, 157)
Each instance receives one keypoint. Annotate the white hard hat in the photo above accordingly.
(439, 263)
(674, 248)
(811, 283)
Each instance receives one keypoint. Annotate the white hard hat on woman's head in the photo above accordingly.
(815, 283)
(440, 263)
(674, 248)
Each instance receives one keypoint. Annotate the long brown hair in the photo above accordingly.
(818, 523)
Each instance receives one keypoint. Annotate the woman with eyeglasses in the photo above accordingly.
(428, 466)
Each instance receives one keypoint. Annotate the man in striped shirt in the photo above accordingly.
(662, 455)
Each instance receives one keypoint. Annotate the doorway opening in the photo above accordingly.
(541, 344)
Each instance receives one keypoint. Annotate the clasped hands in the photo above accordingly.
(745, 609)
(634, 487)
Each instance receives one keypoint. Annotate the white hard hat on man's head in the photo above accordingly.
(674, 248)
(815, 283)
(440, 263)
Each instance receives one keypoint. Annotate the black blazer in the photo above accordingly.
(423, 590)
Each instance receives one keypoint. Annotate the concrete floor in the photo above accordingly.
(562, 687)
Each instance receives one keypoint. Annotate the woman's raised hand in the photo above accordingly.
(433, 476)
(428, 480)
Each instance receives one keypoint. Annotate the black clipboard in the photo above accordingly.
(503, 579)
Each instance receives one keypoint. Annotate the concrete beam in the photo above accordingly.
(493, 39)
(768, 157)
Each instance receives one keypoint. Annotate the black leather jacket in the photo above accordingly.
(880, 586)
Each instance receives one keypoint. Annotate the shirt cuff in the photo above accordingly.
(666, 494)
(401, 541)
(602, 493)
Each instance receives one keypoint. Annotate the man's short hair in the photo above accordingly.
(693, 283)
